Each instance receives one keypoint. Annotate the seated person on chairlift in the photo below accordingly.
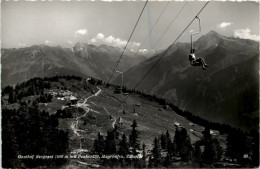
(197, 61)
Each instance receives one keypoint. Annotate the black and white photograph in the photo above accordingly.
(129, 84)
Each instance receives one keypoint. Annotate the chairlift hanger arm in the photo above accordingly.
(199, 27)
(197, 17)
(122, 73)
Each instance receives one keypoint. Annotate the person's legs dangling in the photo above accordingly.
(201, 62)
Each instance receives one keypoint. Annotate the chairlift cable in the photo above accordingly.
(127, 42)
(149, 23)
(153, 27)
(164, 53)
(164, 30)
(126, 45)
(168, 27)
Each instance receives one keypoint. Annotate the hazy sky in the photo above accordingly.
(65, 23)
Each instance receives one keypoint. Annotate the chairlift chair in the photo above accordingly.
(193, 60)
(192, 50)
(118, 90)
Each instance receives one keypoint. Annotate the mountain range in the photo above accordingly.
(227, 91)
(83, 60)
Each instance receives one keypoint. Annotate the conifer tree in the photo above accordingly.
(168, 160)
(218, 149)
(197, 152)
(169, 145)
(110, 143)
(163, 141)
(206, 134)
(150, 162)
(143, 165)
(11, 97)
(99, 144)
(133, 138)
(123, 146)
(237, 145)
(183, 144)
(156, 153)
(210, 153)
(212, 149)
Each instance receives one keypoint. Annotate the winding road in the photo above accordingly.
(74, 125)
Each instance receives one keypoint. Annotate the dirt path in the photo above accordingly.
(74, 125)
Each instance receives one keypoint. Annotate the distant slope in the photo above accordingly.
(83, 60)
(217, 93)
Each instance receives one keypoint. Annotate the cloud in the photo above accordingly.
(21, 44)
(100, 36)
(113, 41)
(136, 44)
(224, 24)
(93, 40)
(245, 34)
(110, 39)
(47, 42)
(70, 42)
(143, 51)
(81, 32)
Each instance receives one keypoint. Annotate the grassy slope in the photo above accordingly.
(152, 120)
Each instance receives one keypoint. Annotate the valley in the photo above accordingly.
(233, 62)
